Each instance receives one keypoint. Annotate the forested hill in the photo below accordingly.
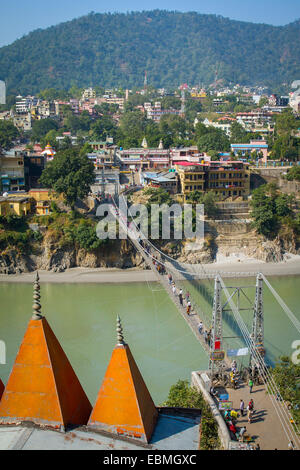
(174, 48)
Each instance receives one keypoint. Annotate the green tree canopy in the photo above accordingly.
(41, 127)
(184, 396)
(270, 207)
(8, 133)
(69, 174)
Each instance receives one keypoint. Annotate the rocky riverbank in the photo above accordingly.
(224, 240)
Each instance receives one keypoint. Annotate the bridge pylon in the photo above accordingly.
(217, 354)
(257, 335)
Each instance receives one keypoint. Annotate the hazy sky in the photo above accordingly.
(19, 17)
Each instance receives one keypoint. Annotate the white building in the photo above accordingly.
(224, 127)
(2, 92)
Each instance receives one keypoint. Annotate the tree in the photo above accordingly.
(69, 174)
(238, 134)
(170, 102)
(192, 108)
(41, 127)
(270, 209)
(181, 395)
(293, 174)
(184, 396)
(286, 375)
(132, 129)
(263, 213)
(208, 199)
(8, 133)
(102, 128)
(214, 140)
(264, 100)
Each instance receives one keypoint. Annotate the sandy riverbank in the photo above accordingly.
(230, 268)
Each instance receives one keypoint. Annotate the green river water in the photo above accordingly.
(83, 317)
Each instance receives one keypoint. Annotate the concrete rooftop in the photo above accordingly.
(178, 430)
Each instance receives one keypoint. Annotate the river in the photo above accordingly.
(83, 317)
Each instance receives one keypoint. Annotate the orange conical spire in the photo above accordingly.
(42, 386)
(1, 388)
(124, 405)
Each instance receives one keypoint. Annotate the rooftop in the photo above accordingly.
(176, 429)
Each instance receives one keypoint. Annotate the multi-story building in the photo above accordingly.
(143, 158)
(254, 119)
(259, 146)
(34, 164)
(188, 154)
(23, 121)
(2, 92)
(88, 93)
(24, 104)
(225, 179)
(12, 170)
(111, 99)
(155, 112)
(225, 127)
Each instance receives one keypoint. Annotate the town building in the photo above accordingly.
(166, 180)
(155, 112)
(187, 154)
(143, 158)
(255, 119)
(49, 153)
(66, 135)
(225, 127)
(23, 121)
(111, 99)
(41, 199)
(25, 104)
(2, 92)
(15, 205)
(88, 93)
(12, 170)
(230, 179)
(257, 146)
(34, 164)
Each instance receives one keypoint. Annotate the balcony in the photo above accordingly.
(12, 174)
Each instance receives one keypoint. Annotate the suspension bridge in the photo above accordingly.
(278, 425)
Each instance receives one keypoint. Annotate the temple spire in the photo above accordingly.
(36, 307)
(120, 336)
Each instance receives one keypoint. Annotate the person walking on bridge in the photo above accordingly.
(180, 297)
(242, 407)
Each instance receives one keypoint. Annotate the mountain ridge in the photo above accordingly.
(114, 49)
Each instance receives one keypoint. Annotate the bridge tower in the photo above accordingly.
(258, 320)
(217, 355)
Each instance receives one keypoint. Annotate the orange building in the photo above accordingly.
(124, 405)
(42, 387)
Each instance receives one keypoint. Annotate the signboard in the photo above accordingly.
(237, 352)
(225, 405)
(217, 355)
(259, 348)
